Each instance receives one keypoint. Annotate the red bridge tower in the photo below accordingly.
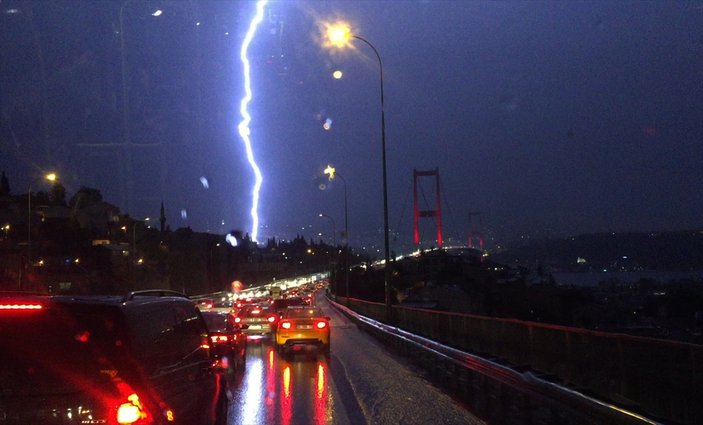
(436, 213)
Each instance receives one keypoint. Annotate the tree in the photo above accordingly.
(4, 185)
(86, 196)
(57, 194)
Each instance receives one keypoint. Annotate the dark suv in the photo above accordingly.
(143, 358)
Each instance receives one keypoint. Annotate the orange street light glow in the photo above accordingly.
(338, 34)
(330, 170)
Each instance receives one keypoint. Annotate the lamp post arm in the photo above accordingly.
(346, 215)
(386, 241)
(29, 223)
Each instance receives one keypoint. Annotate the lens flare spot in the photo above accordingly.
(184, 214)
(328, 124)
(337, 74)
(204, 182)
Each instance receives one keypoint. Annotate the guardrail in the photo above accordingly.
(656, 378)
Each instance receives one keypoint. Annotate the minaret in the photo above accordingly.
(162, 219)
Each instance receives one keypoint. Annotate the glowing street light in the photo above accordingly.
(339, 35)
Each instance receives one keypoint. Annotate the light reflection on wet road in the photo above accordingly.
(359, 384)
(286, 390)
(281, 390)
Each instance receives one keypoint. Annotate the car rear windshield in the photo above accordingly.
(216, 322)
(285, 302)
(58, 348)
(254, 311)
(303, 312)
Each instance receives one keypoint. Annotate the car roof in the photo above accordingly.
(134, 298)
(214, 313)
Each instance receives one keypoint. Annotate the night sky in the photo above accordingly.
(548, 119)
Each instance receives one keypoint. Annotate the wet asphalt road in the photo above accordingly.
(361, 383)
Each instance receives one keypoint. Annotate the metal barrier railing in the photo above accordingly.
(658, 378)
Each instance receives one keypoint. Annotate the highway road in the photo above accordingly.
(361, 383)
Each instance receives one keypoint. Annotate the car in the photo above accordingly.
(229, 342)
(280, 304)
(92, 359)
(241, 302)
(303, 326)
(205, 303)
(220, 305)
(261, 320)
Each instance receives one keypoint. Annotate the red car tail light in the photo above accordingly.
(132, 412)
(272, 319)
(21, 306)
(321, 325)
(237, 320)
(285, 324)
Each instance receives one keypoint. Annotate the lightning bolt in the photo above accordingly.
(244, 130)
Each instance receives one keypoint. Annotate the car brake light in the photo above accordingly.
(285, 325)
(17, 306)
(272, 319)
(321, 325)
(237, 319)
(132, 411)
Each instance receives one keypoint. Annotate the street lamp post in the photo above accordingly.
(334, 250)
(133, 251)
(332, 173)
(126, 131)
(334, 229)
(126, 144)
(339, 35)
(50, 177)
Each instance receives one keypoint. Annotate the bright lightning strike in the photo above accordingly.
(243, 127)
